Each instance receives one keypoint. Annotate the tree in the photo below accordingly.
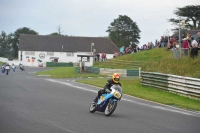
(15, 38)
(191, 15)
(5, 45)
(123, 31)
(57, 33)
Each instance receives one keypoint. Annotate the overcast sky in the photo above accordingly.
(89, 18)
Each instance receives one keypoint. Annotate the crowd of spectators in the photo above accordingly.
(170, 42)
(188, 44)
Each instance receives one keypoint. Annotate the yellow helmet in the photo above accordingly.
(116, 77)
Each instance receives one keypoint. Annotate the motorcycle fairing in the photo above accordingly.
(102, 103)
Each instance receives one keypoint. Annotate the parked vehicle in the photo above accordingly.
(107, 102)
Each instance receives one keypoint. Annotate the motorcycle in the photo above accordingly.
(22, 68)
(7, 70)
(107, 103)
(13, 68)
(2, 69)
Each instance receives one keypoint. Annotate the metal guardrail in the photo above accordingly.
(177, 84)
(109, 71)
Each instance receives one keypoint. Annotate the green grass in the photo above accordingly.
(160, 60)
(134, 88)
(66, 72)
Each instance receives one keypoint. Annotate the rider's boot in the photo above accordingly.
(95, 99)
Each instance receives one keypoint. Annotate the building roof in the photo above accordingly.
(65, 44)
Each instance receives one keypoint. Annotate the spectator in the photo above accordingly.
(122, 50)
(182, 37)
(189, 39)
(194, 50)
(185, 46)
(115, 54)
(105, 57)
(198, 40)
(166, 40)
(171, 43)
(162, 41)
(98, 56)
(102, 56)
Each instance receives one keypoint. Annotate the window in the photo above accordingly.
(70, 54)
(29, 53)
(50, 53)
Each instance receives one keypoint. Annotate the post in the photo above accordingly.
(21, 56)
(120, 38)
(139, 72)
(180, 36)
(92, 44)
(94, 55)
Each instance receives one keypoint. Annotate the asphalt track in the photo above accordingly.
(39, 104)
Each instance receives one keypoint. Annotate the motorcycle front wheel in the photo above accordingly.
(110, 108)
(92, 107)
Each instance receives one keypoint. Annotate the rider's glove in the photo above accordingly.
(107, 90)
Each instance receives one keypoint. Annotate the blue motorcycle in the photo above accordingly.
(107, 103)
(3, 69)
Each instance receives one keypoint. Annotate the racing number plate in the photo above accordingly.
(116, 94)
(101, 98)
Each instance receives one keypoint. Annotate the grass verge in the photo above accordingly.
(66, 72)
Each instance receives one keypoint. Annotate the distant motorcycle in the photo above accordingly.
(7, 69)
(13, 68)
(107, 102)
(3, 69)
(22, 68)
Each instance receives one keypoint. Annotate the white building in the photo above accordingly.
(34, 49)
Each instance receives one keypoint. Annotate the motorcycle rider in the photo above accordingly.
(7, 68)
(114, 81)
(3, 67)
(21, 66)
(13, 67)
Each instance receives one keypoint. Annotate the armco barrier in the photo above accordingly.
(92, 69)
(133, 73)
(181, 85)
(109, 72)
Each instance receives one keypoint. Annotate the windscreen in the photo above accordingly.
(117, 87)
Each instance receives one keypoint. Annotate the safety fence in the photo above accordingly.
(109, 72)
(177, 84)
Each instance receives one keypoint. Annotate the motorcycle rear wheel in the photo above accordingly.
(110, 108)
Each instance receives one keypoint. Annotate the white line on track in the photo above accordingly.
(157, 107)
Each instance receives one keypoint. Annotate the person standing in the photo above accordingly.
(194, 50)
(102, 56)
(185, 46)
